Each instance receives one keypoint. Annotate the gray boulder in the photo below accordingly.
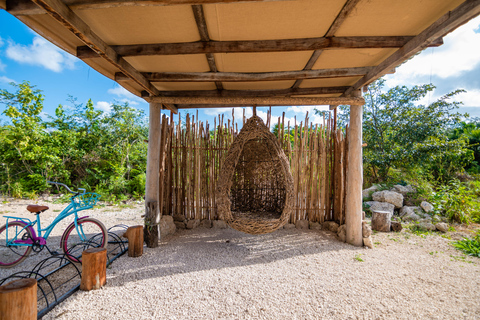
(167, 225)
(192, 224)
(427, 226)
(367, 242)
(392, 197)
(426, 206)
(366, 230)
(409, 209)
(381, 206)
(206, 223)
(314, 225)
(289, 226)
(179, 217)
(331, 226)
(442, 227)
(411, 216)
(219, 224)
(381, 220)
(180, 225)
(301, 224)
(403, 189)
(367, 193)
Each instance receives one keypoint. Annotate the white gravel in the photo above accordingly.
(288, 274)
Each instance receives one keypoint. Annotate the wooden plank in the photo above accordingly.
(446, 24)
(342, 15)
(26, 7)
(203, 31)
(259, 101)
(3, 4)
(247, 77)
(281, 45)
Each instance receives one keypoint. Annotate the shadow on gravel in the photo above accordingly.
(205, 249)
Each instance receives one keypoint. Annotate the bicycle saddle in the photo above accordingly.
(36, 209)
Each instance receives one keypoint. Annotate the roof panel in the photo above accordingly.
(262, 62)
(259, 85)
(178, 86)
(335, 82)
(175, 63)
(142, 24)
(271, 19)
(394, 17)
(349, 58)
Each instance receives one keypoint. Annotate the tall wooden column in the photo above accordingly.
(353, 205)
(152, 213)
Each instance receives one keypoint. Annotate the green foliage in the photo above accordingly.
(470, 247)
(455, 201)
(79, 146)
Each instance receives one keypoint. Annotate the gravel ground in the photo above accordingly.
(288, 274)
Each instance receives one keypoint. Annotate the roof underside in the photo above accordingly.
(187, 53)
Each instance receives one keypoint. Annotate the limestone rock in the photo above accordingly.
(314, 225)
(392, 197)
(331, 226)
(367, 242)
(366, 230)
(219, 224)
(192, 224)
(179, 217)
(180, 225)
(396, 226)
(301, 224)
(381, 220)
(367, 193)
(342, 233)
(442, 226)
(381, 206)
(403, 189)
(426, 226)
(206, 223)
(167, 225)
(409, 213)
(426, 206)
(289, 226)
(410, 217)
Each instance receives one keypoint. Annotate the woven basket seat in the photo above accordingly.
(255, 185)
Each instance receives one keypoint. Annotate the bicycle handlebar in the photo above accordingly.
(69, 190)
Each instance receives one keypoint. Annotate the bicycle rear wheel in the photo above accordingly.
(90, 233)
(11, 255)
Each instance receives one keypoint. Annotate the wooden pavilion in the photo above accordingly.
(179, 54)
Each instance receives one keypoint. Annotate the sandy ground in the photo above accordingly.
(288, 274)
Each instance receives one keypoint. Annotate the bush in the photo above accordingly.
(455, 201)
(469, 246)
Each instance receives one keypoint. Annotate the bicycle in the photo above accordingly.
(18, 237)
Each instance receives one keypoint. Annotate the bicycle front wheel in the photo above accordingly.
(11, 254)
(89, 233)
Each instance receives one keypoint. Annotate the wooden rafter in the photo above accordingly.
(26, 7)
(306, 44)
(342, 15)
(446, 24)
(254, 93)
(245, 77)
(65, 16)
(202, 29)
(259, 101)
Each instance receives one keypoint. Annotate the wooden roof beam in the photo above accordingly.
(3, 4)
(342, 15)
(259, 101)
(254, 93)
(27, 7)
(446, 24)
(246, 77)
(306, 44)
(65, 16)
(202, 29)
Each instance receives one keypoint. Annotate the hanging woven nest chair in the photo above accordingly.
(255, 185)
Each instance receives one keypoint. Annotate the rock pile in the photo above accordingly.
(386, 204)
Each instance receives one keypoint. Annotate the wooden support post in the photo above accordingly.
(18, 300)
(152, 213)
(353, 209)
(135, 241)
(94, 269)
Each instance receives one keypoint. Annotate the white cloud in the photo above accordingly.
(41, 53)
(471, 98)
(4, 79)
(459, 53)
(125, 96)
(103, 105)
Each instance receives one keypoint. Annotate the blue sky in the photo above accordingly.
(25, 55)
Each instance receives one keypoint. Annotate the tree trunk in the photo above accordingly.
(151, 228)
(94, 269)
(135, 241)
(18, 300)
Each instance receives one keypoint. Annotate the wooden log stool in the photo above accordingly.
(135, 241)
(18, 300)
(94, 269)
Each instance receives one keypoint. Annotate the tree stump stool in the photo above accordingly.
(381, 220)
(135, 241)
(94, 269)
(18, 300)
